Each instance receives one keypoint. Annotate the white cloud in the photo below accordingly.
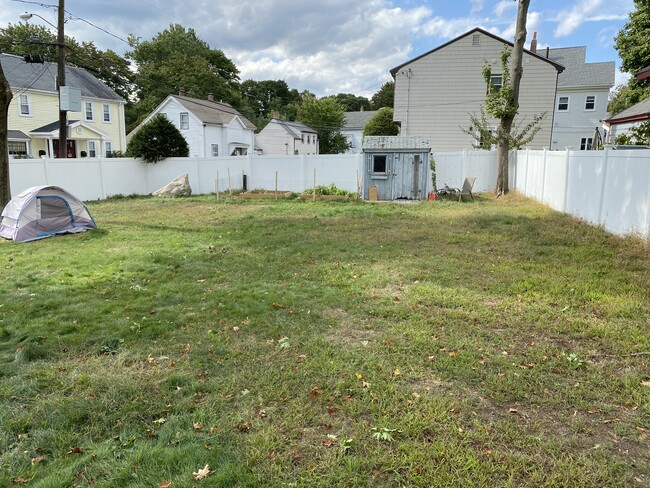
(477, 6)
(504, 5)
(570, 20)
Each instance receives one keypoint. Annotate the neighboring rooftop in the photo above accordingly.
(358, 120)
(638, 112)
(42, 77)
(295, 129)
(213, 113)
(578, 73)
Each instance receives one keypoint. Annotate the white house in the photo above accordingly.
(355, 122)
(210, 128)
(289, 138)
(582, 96)
(436, 92)
(620, 123)
(97, 129)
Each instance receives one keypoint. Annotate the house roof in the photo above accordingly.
(396, 143)
(644, 74)
(557, 66)
(42, 77)
(579, 73)
(294, 129)
(358, 120)
(51, 127)
(213, 113)
(638, 112)
(17, 135)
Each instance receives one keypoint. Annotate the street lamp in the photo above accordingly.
(60, 78)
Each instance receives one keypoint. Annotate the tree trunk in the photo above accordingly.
(5, 99)
(503, 146)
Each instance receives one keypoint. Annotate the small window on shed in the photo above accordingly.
(476, 40)
(379, 163)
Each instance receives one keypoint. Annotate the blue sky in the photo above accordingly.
(333, 46)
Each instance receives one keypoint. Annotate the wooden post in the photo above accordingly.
(276, 185)
(229, 187)
(314, 195)
(358, 186)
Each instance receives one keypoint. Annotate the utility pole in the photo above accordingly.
(5, 99)
(60, 81)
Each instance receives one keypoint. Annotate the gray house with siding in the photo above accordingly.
(436, 92)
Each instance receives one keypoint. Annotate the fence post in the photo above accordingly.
(250, 171)
(526, 173)
(566, 181)
(303, 172)
(541, 198)
(601, 203)
(462, 169)
(101, 179)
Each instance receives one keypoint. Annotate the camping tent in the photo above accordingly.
(42, 211)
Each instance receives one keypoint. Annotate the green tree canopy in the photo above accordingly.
(326, 116)
(624, 96)
(381, 124)
(352, 103)
(176, 58)
(633, 40)
(385, 97)
(261, 98)
(156, 140)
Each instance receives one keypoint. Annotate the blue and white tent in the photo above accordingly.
(42, 211)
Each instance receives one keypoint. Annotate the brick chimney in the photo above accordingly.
(181, 92)
(533, 44)
(211, 97)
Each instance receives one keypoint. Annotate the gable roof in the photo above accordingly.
(294, 129)
(358, 120)
(42, 77)
(638, 112)
(644, 74)
(212, 113)
(557, 66)
(579, 73)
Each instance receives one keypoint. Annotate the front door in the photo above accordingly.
(72, 148)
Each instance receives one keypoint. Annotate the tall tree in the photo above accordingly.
(504, 103)
(261, 98)
(352, 103)
(5, 100)
(326, 116)
(385, 97)
(177, 58)
(633, 46)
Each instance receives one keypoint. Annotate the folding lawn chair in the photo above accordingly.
(468, 184)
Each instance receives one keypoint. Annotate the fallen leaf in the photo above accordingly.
(359, 376)
(202, 473)
(365, 384)
(160, 421)
(328, 442)
(431, 358)
(235, 329)
(21, 480)
(197, 426)
(453, 354)
(314, 392)
(645, 383)
(75, 450)
(331, 409)
(261, 413)
(396, 372)
(164, 484)
(416, 394)
(38, 459)
(300, 358)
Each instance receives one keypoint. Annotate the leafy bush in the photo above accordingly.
(330, 189)
(156, 140)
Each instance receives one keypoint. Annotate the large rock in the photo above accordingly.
(180, 187)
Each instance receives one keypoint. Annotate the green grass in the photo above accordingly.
(292, 343)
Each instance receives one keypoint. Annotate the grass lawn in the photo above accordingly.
(298, 343)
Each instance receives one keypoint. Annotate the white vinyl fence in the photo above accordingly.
(609, 188)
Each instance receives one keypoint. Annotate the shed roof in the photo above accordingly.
(42, 77)
(578, 72)
(396, 143)
(638, 112)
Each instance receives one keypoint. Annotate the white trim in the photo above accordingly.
(568, 103)
(593, 109)
(92, 112)
(20, 105)
(104, 113)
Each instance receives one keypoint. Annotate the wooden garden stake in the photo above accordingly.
(314, 195)
(229, 187)
(276, 185)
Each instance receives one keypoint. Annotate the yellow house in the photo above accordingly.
(98, 130)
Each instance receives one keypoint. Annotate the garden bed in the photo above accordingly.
(309, 196)
(266, 194)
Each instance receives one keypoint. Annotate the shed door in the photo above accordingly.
(407, 177)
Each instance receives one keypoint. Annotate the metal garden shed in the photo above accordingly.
(395, 167)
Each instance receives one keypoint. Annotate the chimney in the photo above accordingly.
(210, 97)
(547, 51)
(533, 44)
(181, 92)
(276, 115)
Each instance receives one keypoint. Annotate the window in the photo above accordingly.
(185, 121)
(496, 82)
(585, 143)
(106, 111)
(214, 148)
(379, 163)
(92, 149)
(17, 148)
(88, 107)
(590, 102)
(563, 104)
(108, 149)
(25, 106)
(476, 40)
